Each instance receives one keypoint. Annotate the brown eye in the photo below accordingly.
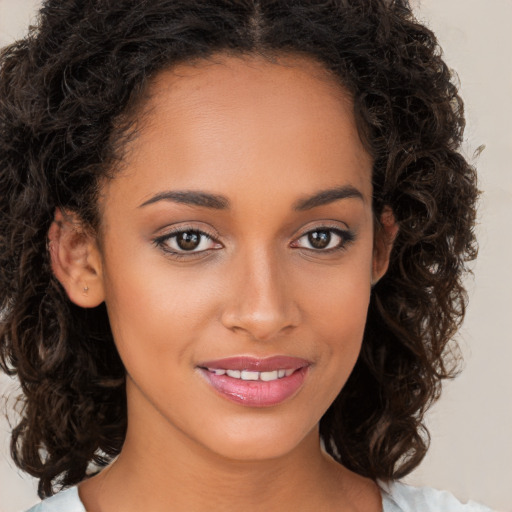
(188, 240)
(183, 241)
(324, 239)
(319, 239)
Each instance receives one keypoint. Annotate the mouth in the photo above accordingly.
(255, 382)
(249, 375)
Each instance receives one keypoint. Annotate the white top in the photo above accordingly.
(396, 497)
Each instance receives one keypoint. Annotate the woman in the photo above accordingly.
(233, 242)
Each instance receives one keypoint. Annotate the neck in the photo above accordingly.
(161, 468)
(186, 479)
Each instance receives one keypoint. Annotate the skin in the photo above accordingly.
(263, 135)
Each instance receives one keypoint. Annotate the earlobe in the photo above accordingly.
(75, 260)
(385, 234)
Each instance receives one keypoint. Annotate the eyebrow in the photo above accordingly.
(219, 202)
(195, 198)
(327, 196)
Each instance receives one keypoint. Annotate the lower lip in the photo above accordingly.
(257, 393)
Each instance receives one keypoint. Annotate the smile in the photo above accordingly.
(255, 382)
(250, 375)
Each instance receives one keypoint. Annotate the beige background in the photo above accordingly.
(471, 427)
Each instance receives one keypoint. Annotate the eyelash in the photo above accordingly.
(346, 236)
(162, 242)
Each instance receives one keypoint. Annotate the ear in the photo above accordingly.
(386, 230)
(76, 260)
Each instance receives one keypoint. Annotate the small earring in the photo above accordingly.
(86, 289)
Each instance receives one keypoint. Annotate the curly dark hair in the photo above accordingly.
(68, 92)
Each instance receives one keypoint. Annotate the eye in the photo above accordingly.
(325, 239)
(183, 241)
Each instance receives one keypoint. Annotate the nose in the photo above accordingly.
(262, 304)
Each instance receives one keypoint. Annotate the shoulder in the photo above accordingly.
(64, 501)
(399, 497)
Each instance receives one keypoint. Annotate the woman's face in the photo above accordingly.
(239, 236)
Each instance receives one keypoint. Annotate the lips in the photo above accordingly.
(268, 364)
(256, 382)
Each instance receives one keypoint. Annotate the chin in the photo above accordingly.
(258, 440)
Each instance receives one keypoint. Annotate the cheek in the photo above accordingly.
(337, 299)
(152, 309)
(162, 307)
(337, 307)
(341, 323)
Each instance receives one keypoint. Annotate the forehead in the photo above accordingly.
(233, 121)
(209, 77)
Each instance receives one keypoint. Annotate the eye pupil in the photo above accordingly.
(188, 240)
(319, 239)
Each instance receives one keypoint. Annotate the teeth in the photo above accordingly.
(250, 375)
(266, 376)
(247, 375)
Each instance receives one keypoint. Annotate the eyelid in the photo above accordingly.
(323, 224)
(347, 236)
(160, 241)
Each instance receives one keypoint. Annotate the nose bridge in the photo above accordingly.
(262, 303)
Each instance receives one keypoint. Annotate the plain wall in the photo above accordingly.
(471, 426)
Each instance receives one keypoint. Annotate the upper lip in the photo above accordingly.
(256, 364)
